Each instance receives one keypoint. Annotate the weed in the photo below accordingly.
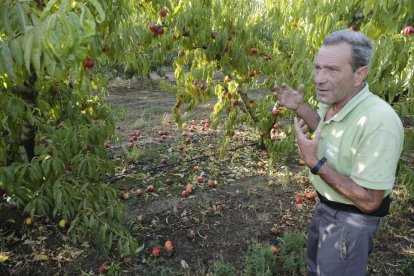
(259, 261)
(293, 252)
(221, 268)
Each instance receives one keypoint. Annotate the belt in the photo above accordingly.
(382, 210)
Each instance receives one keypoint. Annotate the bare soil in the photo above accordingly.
(216, 222)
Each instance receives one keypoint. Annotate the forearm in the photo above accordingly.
(366, 200)
(308, 114)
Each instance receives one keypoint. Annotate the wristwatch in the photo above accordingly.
(318, 165)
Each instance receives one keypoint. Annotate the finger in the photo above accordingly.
(304, 128)
(301, 88)
(298, 125)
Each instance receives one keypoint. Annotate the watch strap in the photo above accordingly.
(318, 165)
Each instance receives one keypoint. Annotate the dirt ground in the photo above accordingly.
(236, 204)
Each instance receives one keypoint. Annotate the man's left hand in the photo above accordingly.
(308, 147)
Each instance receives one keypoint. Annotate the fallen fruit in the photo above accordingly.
(299, 199)
(62, 223)
(168, 181)
(28, 221)
(190, 234)
(275, 230)
(310, 196)
(201, 179)
(212, 183)
(197, 168)
(189, 188)
(150, 188)
(184, 194)
(125, 170)
(301, 162)
(253, 50)
(125, 195)
(102, 268)
(156, 251)
(169, 245)
(260, 164)
(274, 249)
(139, 192)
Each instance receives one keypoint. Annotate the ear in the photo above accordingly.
(360, 74)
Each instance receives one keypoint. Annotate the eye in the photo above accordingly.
(333, 70)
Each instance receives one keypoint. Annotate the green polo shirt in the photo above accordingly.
(362, 141)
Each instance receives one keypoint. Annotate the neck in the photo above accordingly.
(337, 107)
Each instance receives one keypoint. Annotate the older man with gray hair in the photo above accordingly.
(352, 156)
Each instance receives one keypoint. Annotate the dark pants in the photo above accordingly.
(340, 242)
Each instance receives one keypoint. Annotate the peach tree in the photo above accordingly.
(52, 101)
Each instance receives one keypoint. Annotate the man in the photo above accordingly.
(353, 155)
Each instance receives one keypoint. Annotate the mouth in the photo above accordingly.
(322, 91)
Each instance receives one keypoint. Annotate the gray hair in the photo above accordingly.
(361, 46)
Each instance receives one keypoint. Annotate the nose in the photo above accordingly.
(319, 76)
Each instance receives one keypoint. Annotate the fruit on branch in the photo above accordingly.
(105, 48)
(153, 27)
(354, 27)
(88, 63)
(163, 12)
(409, 30)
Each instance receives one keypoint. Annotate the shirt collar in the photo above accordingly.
(359, 97)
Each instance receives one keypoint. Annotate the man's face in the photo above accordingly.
(335, 81)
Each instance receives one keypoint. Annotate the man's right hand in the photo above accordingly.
(288, 97)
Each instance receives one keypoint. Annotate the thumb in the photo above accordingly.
(301, 89)
(317, 135)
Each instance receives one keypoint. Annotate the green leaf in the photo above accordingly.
(36, 52)
(27, 46)
(7, 61)
(23, 19)
(6, 22)
(17, 52)
(101, 14)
